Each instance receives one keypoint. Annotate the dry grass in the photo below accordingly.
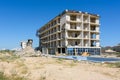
(8, 59)
(24, 70)
(114, 65)
(43, 76)
(14, 76)
(67, 63)
(45, 68)
(19, 63)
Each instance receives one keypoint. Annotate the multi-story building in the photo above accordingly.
(71, 32)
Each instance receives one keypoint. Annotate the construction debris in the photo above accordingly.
(85, 54)
(27, 50)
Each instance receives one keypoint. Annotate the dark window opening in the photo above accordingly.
(76, 43)
(73, 17)
(59, 50)
(63, 50)
(75, 35)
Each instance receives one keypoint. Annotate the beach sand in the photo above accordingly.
(45, 68)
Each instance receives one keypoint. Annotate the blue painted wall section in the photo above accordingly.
(79, 51)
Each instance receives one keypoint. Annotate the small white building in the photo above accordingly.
(23, 44)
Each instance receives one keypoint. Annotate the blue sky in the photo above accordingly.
(19, 19)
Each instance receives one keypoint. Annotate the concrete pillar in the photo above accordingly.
(66, 36)
(89, 18)
(56, 51)
(66, 51)
(75, 52)
(61, 51)
(67, 17)
(89, 33)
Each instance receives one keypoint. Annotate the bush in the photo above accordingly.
(2, 76)
(118, 54)
(7, 51)
(116, 65)
(60, 60)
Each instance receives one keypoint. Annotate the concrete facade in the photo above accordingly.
(71, 32)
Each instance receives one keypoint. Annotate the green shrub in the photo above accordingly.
(59, 60)
(16, 77)
(118, 54)
(2, 76)
(7, 51)
(116, 65)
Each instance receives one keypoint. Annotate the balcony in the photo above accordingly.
(86, 43)
(73, 17)
(86, 27)
(94, 29)
(85, 19)
(58, 28)
(73, 26)
(93, 19)
(74, 35)
(75, 43)
(86, 37)
(59, 44)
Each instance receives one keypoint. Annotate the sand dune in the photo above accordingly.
(45, 68)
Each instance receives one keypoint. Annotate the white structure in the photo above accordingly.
(109, 51)
(23, 44)
(71, 32)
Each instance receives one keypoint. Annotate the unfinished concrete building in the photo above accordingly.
(71, 32)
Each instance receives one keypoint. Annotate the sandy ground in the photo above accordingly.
(43, 68)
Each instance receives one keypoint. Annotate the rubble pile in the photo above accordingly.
(27, 50)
